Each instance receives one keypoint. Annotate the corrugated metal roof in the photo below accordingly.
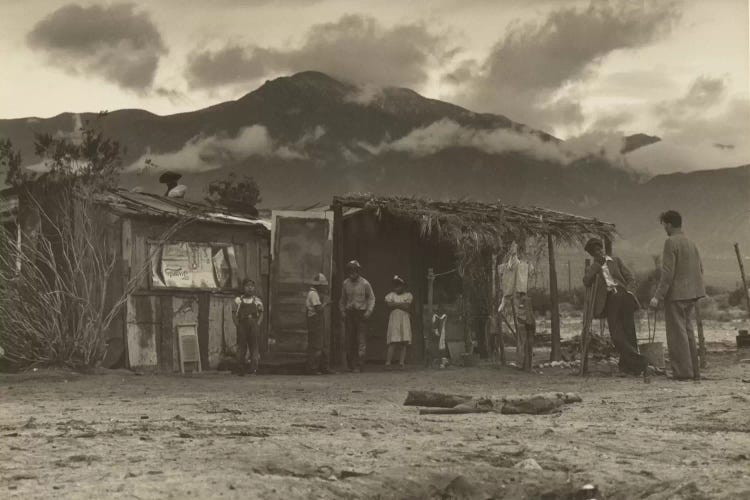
(126, 202)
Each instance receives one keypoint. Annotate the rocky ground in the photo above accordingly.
(214, 435)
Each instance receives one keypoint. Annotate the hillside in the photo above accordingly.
(309, 136)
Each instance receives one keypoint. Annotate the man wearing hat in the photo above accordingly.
(356, 305)
(615, 301)
(317, 345)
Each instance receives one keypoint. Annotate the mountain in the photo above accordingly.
(308, 136)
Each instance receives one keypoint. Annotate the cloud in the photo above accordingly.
(703, 129)
(612, 121)
(114, 42)
(444, 134)
(204, 153)
(356, 48)
(704, 94)
(531, 72)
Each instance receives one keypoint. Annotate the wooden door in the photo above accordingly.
(302, 244)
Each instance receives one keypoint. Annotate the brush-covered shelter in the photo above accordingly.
(447, 252)
(175, 263)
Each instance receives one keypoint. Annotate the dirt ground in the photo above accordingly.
(215, 435)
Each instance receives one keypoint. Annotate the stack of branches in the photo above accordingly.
(474, 228)
(57, 299)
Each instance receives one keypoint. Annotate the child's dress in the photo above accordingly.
(399, 323)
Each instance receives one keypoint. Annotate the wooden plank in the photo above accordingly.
(142, 330)
(140, 260)
(554, 301)
(229, 344)
(215, 331)
(204, 309)
(167, 361)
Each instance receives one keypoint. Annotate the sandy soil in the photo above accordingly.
(214, 435)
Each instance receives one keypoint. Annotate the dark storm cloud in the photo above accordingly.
(115, 42)
(355, 48)
(534, 60)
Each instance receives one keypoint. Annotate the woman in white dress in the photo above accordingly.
(399, 324)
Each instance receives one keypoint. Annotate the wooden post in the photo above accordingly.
(742, 274)
(607, 246)
(338, 331)
(570, 279)
(430, 312)
(701, 338)
(554, 301)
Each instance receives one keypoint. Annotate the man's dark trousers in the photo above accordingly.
(356, 337)
(620, 309)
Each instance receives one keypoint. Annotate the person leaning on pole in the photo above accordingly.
(680, 287)
(356, 305)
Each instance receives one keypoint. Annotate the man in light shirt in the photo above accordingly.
(615, 301)
(356, 306)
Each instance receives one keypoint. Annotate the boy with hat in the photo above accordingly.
(356, 306)
(247, 314)
(317, 346)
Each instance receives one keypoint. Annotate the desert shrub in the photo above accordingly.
(56, 295)
(736, 298)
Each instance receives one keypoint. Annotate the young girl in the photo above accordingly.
(399, 323)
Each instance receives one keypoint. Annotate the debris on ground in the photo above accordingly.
(452, 404)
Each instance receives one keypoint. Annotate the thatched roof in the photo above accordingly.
(482, 225)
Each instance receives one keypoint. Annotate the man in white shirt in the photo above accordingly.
(615, 301)
(317, 345)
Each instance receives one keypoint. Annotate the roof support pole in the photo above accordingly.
(338, 332)
(554, 301)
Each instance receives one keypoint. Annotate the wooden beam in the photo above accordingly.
(555, 354)
(607, 246)
(338, 332)
(742, 273)
(430, 312)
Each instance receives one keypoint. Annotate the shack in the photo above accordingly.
(193, 275)
(177, 263)
(422, 239)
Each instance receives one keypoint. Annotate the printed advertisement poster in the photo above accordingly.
(187, 266)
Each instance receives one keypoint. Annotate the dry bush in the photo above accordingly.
(56, 295)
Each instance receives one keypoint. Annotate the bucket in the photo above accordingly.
(654, 353)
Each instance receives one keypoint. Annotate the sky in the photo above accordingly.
(576, 69)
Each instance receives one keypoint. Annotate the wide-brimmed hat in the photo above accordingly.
(353, 265)
(169, 176)
(593, 242)
(318, 279)
(398, 280)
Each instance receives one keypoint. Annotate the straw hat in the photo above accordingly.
(319, 279)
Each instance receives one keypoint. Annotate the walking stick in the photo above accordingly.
(701, 338)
